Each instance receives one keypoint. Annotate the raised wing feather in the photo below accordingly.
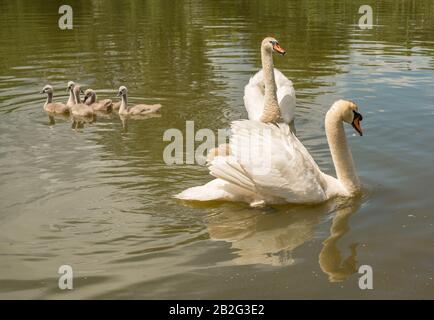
(254, 96)
(269, 161)
(285, 96)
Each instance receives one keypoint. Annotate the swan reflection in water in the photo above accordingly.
(271, 237)
(79, 123)
(330, 258)
(52, 118)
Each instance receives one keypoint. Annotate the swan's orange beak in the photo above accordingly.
(356, 122)
(279, 49)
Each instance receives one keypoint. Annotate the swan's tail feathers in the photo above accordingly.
(215, 190)
(222, 150)
(208, 192)
(228, 169)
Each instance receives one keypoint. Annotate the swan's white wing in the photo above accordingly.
(270, 162)
(254, 96)
(285, 96)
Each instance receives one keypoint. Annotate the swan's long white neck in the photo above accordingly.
(271, 106)
(124, 104)
(71, 99)
(341, 154)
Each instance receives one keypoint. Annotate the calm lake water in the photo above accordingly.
(100, 198)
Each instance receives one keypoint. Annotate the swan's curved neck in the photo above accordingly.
(77, 96)
(49, 98)
(341, 154)
(71, 99)
(271, 106)
(124, 104)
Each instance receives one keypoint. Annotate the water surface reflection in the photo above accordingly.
(271, 236)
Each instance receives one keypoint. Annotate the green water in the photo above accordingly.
(100, 198)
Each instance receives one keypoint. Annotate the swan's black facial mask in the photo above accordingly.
(356, 122)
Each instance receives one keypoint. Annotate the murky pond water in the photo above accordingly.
(100, 198)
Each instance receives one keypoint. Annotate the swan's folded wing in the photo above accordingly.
(271, 162)
(254, 96)
(142, 109)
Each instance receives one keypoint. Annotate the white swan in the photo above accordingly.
(267, 85)
(286, 172)
(269, 96)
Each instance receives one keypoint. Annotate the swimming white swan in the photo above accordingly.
(268, 97)
(285, 172)
(268, 87)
